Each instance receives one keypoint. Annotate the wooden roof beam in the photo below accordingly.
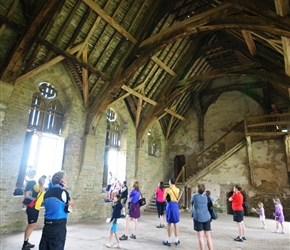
(250, 42)
(85, 78)
(33, 29)
(95, 7)
(137, 94)
(146, 99)
(282, 7)
(185, 27)
(74, 59)
(163, 66)
(46, 65)
(10, 13)
(286, 48)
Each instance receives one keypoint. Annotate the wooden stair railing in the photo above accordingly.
(259, 125)
(213, 152)
(267, 125)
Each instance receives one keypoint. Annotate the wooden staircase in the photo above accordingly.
(216, 152)
(260, 126)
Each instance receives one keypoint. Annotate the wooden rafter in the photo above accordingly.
(74, 59)
(146, 99)
(286, 48)
(186, 27)
(95, 7)
(46, 65)
(163, 65)
(85, 78)
(282, 7)
(15, 64)
(250, 42)
(10, 13)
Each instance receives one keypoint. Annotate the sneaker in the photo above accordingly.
(108, 245)
(238, 239)
(160, 226)
(117, 246)
(132, 236)
(177, 243)
(243, 238)
(166, 243)
(283, 232)
(28, 246)
(123, 237)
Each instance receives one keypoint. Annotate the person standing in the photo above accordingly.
(36, 191)
(172, 211)
(56, 203)
(237, 200)
(279, 215)
(124, 197)
(134, 211)
(201, 217)
(261, 214)
(160, 203)
(117, 208)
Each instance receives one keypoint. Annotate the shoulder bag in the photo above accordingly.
(30, 201)
(142, 200)
(211, 209)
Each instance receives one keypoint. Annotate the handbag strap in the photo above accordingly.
(174, 194)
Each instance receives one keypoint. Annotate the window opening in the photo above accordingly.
(114, 159)
(46, 153)
(47, 90)
(111, 115)
(43, 146)
(151, 143)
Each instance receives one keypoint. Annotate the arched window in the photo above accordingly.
(45, 115)
(43, 146)
(113, 161)
(113, 130)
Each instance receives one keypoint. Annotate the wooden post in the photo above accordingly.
(287, 150)
(250, 158)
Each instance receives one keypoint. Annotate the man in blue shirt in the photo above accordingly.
(56, 203)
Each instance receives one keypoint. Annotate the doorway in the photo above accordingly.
(179, 161)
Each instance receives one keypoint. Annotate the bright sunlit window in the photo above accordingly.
(46, 153)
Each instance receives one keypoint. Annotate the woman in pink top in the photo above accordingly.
(160, 203)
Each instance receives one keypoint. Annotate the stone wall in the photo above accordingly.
(15, 104)
(270, 176)
(84, 154)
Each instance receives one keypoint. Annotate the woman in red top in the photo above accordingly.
(160, 203)
(237, 200)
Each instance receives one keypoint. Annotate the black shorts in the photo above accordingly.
(108, 188)
(201, 226)
(238, 215)
(32, 215)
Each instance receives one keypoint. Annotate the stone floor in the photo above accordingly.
(94, 235)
